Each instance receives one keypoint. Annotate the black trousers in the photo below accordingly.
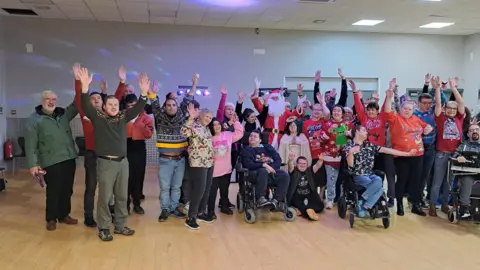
(262, 180)
(59, 180)
(201, 183)
(186, 184)
(321, 176)
(313, 202)
(409, 175)
(137, 160)
(222, 183)
(90, 164)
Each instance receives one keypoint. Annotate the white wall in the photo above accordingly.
(472, 70)
(3, 122)
(172, 54)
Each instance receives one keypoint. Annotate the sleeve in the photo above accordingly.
(186, 130)
(87, 107)
(120, 91)
(376, 148)
(262, 117)
(78, 93)
(425, 89)
(257, 104)
(277, 160)
(71, 111)
(359, 108)
(135, 110)
(31, 143)
(316, 89)
(391, 117)
(248, 159)
(238, 111)
(145, 124)
(238, 133)
(343, 94)
(185, 102)
(148, 109)
(221, 107)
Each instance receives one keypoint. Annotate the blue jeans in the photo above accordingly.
(170, 176)
(440, 178)
(427, 168)
(332, 175)
(373, 191)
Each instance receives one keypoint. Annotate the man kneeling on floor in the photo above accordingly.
(302, 193)
(360, 159)
(263, 162)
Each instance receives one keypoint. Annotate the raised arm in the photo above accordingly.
(78, 89)
(144, 83)
(458, 97)
(85, 80)
(316, 86)
(122, 75)
(189, 97)
(186, 130)
(238, 133)
(362, 116)
(388, 96)
(344, 91)
(221, 104)
(438, 100)
(316, 167)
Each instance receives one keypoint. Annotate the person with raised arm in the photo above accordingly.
(449, 137)
(90, 158)
(110, 130)
(49, 148)
(171, 146)
(330, 96)
(406, 134)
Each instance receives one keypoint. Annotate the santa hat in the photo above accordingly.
(287, 103)
(275, 93)
(229, 104)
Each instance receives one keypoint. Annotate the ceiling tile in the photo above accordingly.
(164, 20)
(136, 19)
(190, 14)
(11, 4)
(101, 3)
(156, 6)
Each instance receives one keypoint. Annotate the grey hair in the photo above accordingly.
(451, 102)
(204, 111)
(46, 93)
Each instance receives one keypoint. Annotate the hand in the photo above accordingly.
(269, 168)
(155, 87)
(412, 152)
(375, 95)
(427, 129)
(452, 83)
(324, 136)
(354, 150)
(233, 119)
(435, 82)
(195, 78)
(223, 90)
(192, 112)
(474, 121)
(76, 69)
(461, 159)
(428, 77)
(291, 156)
(319, 98)
(104, 86)
(265, 97)
(389, 93)
(122, 74)
(340, 73)
(299, 89)
(392, 84)
(360, 94)
(352, 85)
(85, 78)
(318, 76)
(457, 80)
(321, 157)
(333, 92)
(257, 83)
(241, 97)
(35, 170)
(144, 83)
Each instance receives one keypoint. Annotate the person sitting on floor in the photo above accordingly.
(360, 159)
(264, 163)
(302, 193)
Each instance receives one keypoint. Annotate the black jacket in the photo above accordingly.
(250, 157)
(295, 177)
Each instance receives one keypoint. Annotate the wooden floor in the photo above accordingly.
(410, 243)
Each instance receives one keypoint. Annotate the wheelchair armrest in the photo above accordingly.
(379, 173)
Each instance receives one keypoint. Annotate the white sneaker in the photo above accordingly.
(329, 205)
(185, 208)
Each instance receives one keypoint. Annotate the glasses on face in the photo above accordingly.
(474, 130)
(451, 108)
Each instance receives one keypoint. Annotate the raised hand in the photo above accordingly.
(457, 80)
(85, 78)
(192, 112)
(241, 96)
(155, 87)
(265, 97)
(474, 121)
(318, 76)
(76, 68)
(195, 78)
(389, 93)
(452, 83)
(234, 118)
(428, 78)
(352, 85)
(103, 86)
(340, 73)
(333, 92)
(122, 74)
(223, 90)
(392, 84)
(319, 97)
(291, 156)
(144, 83)
(321, 157)
(435, 82)
(299, 89)
(375, 95)
(257, 83)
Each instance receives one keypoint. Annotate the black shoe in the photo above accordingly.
(138, 209)
(177, 214)
(205, 218)
(226, 211)
(111, 208)
(261, 202)
(90, 222)
(163, 216)
(124, 231)
(212, 214)
(105, 235)
(230, 205)
(417, 210)
(142, 197)
(400, 210)
(464, 212)
(191, 223)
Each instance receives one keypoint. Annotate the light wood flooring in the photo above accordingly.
(411, 242)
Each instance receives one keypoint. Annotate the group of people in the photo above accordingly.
(304, 155)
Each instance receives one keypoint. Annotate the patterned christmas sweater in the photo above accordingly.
(335, 131)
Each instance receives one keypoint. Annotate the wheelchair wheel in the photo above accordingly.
(290, 215)
(342, 208)
(452, 215)
(386, 222)
(352, 219)
(250, 216)
(239, 203)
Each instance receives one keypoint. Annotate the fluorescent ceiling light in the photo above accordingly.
(368, 22)
(436, 25)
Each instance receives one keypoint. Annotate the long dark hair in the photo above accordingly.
(210, 126)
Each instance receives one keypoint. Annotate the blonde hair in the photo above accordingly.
(204, 111)
(46, 93)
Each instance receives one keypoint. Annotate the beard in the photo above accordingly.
(276, 108)
(475, 136)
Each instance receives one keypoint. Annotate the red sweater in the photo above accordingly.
(331, 146)
(141, 128)
(86, 123)
(375, 126)
(311, 129)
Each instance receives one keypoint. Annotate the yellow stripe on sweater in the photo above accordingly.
(172, 145)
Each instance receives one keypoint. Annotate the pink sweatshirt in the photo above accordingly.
(222, 146)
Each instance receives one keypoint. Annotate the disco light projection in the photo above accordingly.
(201, 90)
(158, 58)
(43, 61)
(105, 52)
(229, 3)
(63, 42)
(167, 74)
(97, 77)
(139, 46)
(132, 74)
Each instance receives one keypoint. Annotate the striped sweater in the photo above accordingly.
(168, 127)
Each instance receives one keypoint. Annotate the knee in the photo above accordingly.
(284, 178)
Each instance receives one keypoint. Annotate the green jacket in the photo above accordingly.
(48, 138)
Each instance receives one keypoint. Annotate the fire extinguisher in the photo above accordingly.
(8, 150)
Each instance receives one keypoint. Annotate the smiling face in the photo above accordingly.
(205, 118)
(337, 114)
(111, 106)
(49, 101)
(407, 110)
(451, 109)
(229, 111)
(217, 128)
(302, 164)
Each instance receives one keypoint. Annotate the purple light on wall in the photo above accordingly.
(229, 3)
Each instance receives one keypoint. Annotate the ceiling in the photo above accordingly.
(401, 16)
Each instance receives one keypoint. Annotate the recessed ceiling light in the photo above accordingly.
(436, 25)
(368, 22)
(432, 0)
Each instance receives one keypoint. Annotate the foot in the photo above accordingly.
(432, 211)
(124, 231)
(261, 202)
(205, 218)
(52, 225)
(362, 212)
(105, 235)
(90, 222)
(417, 210)
(142, 197)
(185, 208)
(138, 209)
(424, 204)
(312, 215)
(230, 205)
(400, 210)
(464, 212)
(226, 211)
(390, 203)
(163, 216)
(329, 205)
(191, 223)
(69, 221)
(445, 208)
(176, 213)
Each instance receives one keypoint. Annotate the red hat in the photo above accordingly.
(275, 93)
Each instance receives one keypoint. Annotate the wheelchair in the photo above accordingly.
(246, 202)
(348, 201)
(455, 170)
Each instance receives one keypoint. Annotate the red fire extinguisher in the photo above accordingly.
(8, 150)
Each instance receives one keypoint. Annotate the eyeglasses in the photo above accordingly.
(451, 108)
(473, 130)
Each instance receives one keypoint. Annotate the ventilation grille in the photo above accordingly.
(18, 11)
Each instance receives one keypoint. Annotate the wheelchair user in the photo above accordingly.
(263, 162)
(466, 182)
(360, 159)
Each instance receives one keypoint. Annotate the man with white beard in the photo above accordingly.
(277, 114)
